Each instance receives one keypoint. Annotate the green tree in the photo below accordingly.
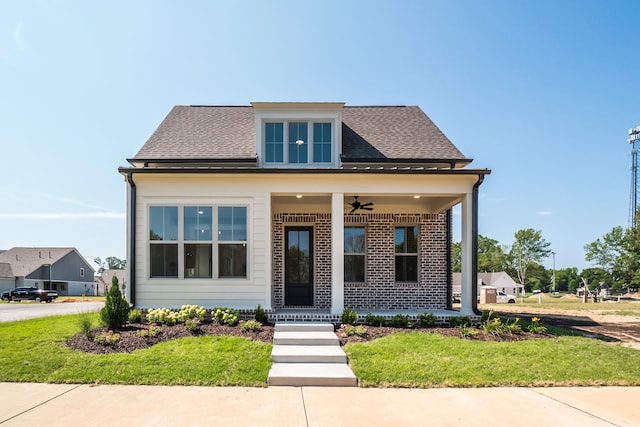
(567, 279)
(115, 312)
(111, 263)
(595, 276)
(491, 256)
(529, 247)
(605, 253)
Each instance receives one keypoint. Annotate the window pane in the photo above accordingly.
(322, 142)
(197, 223)
(406, 240)
(406, 268)
(274, 142)
(197, 260)
(354, 238)
(412, 239)
(232, 260)
(298, 131)
(353, 268)
(163, 223)
(164, 260)
(399, 240)
(232, 224)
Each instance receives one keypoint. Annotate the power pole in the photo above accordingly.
(634, 136)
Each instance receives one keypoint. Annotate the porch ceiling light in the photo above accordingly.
(417, 196)
(298, 196)
(299, 142)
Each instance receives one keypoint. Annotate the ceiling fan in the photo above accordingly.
(357, 205)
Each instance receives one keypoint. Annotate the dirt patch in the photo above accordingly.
(594, 323)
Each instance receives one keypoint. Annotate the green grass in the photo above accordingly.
(430, 360)
(35, 351)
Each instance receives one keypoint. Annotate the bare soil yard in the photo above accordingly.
(594, 322)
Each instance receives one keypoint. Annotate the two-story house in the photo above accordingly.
(303, 208)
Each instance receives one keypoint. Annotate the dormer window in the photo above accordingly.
(307, 142)
(298, 135)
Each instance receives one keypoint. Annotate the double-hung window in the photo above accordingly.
(298, 143)
(354, 254)
(406, 243)
(190, 236)
(232, 241)
(163, 237)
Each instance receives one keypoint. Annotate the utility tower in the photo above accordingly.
(634, 201)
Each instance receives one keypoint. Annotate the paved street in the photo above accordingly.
(30, 310)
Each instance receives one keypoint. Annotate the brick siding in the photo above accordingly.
(380, 292)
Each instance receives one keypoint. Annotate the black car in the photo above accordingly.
(33, 294)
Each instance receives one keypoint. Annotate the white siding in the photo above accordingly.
(256, 192)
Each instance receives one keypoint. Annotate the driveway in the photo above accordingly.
(27, 310)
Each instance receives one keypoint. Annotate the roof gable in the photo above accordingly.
(24, 261)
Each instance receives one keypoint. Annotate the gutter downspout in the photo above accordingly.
(132, 239)
(449, 262)
(474, 246)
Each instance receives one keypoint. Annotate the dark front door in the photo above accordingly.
(298, 282)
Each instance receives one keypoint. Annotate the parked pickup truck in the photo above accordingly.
(501, 297)
(32, 294)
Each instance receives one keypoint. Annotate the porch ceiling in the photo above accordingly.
(382, 203)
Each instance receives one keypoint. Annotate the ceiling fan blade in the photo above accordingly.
(353, 210)
(366, 204)
(366, 208)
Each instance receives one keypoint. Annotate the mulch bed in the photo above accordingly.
(130, 341)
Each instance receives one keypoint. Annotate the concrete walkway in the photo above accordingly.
(116, 405)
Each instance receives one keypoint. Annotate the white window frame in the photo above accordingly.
(407, 254)
(310, 115)
(363, 254)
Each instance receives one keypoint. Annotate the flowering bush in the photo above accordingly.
(191, 312)
(135, 316)
(163, 316)
(467, 331)
(107, 338)
(151, 332)
(535, 327)
(250, 325)
(225, 316)
(192, 325)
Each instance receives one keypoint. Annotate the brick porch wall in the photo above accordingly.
(381, 291)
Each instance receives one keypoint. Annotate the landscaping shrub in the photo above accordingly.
(191, 312)
(192, 325)
(163, 316)
(135, 316)
(251, 325)
(261, 316)
(225, 316)
(151, 332)
(358, 330)
(107, 338)
(349, 316)
(374, 320)
(487, 315)
(512, 327)
(427, 319)
(459, 321)
(400, 321)
(115, 312)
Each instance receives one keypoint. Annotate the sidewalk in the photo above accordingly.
(117, 405)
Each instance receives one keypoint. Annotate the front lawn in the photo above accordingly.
(417, 359)
(35, 351)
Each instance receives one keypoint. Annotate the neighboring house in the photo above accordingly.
(499, 280)
(7, 279)
(60, 269)
(308, 206)
(103, 280)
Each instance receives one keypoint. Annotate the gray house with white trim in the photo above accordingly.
(61, 269)
(299, 206)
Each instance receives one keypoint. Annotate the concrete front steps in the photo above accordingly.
(308, 354)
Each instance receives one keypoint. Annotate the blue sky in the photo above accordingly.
(541, 92)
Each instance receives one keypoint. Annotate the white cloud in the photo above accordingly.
(64, 216)
(545, 213)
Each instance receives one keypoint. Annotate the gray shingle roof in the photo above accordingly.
(228, 132)
(24, 261)
(6, 271)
